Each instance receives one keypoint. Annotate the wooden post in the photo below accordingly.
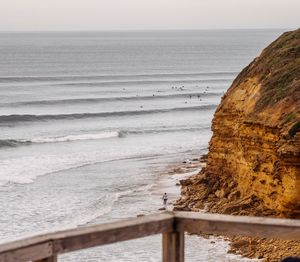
(173, 247)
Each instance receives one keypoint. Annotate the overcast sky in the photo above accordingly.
(147, 14)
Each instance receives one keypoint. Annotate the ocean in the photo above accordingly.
(90, 122)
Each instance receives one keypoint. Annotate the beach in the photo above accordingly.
(198, 248)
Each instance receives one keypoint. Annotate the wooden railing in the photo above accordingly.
(171, 224)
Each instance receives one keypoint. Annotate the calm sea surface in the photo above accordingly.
(90, 121)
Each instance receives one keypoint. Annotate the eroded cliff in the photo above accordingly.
(253, 162)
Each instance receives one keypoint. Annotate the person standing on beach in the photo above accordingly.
(165, 198)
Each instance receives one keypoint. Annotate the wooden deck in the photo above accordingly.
(171, 224)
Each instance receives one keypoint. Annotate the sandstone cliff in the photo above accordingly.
(253, 164)
(255, 141)
(255, 148)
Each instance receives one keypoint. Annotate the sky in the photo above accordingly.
(78, 15)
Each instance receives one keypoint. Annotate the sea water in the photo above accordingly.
(90, 121)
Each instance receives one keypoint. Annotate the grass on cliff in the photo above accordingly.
(278, 71)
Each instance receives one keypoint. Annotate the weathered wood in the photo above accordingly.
(86, 237)
(173, 247)
(112, 232)
(34, 252)
(195, 222)
(46, 247)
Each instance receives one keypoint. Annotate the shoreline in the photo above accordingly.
(169, 180)
(199, 192)
(171, 183)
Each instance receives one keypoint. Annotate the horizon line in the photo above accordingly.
(144, 30)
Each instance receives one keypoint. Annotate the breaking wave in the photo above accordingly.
(108, 99)
(14, 79)
(30, 118)
(68, 138)
(93, 136)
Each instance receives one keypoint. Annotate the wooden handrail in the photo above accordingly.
(171, 224)
(43, 246)
(195, 222)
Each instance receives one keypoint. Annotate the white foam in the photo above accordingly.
(68, 138)
(88, 216)
(25, 169)
(145, 188)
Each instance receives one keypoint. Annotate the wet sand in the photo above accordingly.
(169, 181)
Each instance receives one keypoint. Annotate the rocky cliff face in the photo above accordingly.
(254, 153)
(256, 139)
(253, 164)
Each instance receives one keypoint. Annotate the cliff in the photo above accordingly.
(255, 140)
(253, 163)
